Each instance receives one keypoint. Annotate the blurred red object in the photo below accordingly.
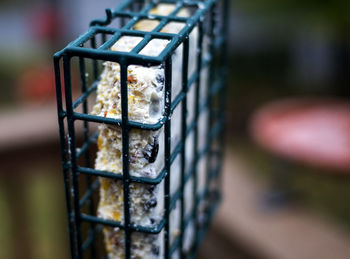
(36, 85)
(312, 131)
(47, 24)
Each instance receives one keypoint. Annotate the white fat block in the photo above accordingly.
(203, 129)
(204, 84)
(176, 127)
(189, 151)
(188, 237)
(205, 46)
(175, 222)
(189, 201)
(201, 174)
(176, 254)
(175, 175)
(146, 99)
(191, 107)
(176, 79)
(193, 51)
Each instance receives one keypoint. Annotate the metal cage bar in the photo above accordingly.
(196, 117)
(167, 153)
(80, 205)
(86, 139)
(185, 58)
(72, 153)
(125, 144)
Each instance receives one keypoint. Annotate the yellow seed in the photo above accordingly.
(116, 215)
(99, 142)
(137, 93)
(131, 98)
(113, 111)
(105, 184)
(146, 25)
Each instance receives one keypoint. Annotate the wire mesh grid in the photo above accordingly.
(78, 136)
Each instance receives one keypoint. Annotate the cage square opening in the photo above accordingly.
(173, 27)
(190, 199)
(97, 40)
(189, 237)
(175, 222)
(163, 9)
(92, 239)
(176, 119)
(146, 204)
(103, 92)
(152, 244)
(175, 176)
(189, 157)
(118, 22)
(146, 25)
(126, 43)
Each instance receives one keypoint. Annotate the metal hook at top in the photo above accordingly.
(105, 21)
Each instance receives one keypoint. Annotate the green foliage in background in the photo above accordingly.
(321, 191)
(45, 217)
(334, 11)
(6, 237)
(32, 214)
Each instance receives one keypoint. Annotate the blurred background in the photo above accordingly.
(277, 50)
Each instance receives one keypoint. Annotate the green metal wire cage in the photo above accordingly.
(78, 135)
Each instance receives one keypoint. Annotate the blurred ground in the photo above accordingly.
(34, 215)
(290, 231)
